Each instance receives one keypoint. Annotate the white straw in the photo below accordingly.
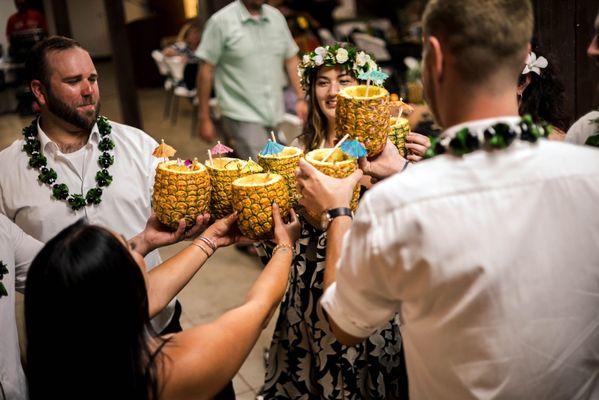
(400, 109)
(210, 158)
(335, 148)
(367, 87)
(272, 134)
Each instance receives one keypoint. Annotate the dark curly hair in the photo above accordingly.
(544, 97)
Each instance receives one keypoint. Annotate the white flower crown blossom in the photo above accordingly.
(356, 61)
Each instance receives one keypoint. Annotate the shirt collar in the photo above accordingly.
(46, 144)
(479, 125)
(245, 16)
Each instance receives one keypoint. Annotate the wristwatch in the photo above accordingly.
(333, 213)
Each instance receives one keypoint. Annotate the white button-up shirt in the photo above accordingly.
(492, 261)
(17, 250)
(126, 202)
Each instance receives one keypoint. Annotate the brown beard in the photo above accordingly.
(68, 114)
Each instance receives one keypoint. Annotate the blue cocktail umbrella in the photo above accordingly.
(271, 148)
(353, 148)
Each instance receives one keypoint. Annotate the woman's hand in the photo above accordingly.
(285, 233)
(156, 234)
(417, 145)
(224, 232)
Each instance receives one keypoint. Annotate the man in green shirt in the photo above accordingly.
(250, 55)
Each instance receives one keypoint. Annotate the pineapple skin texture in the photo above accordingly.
(341, 169)
(178, 195)
(398, 134)
(366, 120)
(220, 203)
(254, 205)
(285, 167)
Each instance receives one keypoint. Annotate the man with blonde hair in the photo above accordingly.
(479, 250)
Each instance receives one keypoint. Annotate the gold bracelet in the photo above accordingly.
(202, 248)
(284, 246)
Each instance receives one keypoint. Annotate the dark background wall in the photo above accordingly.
(565, 28)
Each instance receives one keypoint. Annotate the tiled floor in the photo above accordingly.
(226, 278)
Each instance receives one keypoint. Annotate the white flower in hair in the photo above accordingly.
(534, 64)
(320, 51)
(362, 58)
(318, 60)
(342, 55)
(306, 58)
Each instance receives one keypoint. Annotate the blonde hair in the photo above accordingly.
(483, 36)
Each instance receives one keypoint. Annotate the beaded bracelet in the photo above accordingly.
(209, 242)
(284, 246)
(202, 248)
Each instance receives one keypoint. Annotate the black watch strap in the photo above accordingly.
(339, 212)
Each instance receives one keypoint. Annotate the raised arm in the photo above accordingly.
(203, 359)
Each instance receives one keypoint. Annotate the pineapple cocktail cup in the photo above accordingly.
(285, 164)
(180, 191)
(223, 171)
(398, 132)
(364, 118)
(253, 196)
(337, 165)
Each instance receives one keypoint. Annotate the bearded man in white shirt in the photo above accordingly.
(488, 251)
(71, 163)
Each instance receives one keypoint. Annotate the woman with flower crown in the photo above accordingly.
(305, 361)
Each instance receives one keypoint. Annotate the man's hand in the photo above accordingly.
(385, 164)
(157, 235)
(301, 108)
(206, 129)
(417, 145)
(321, 192)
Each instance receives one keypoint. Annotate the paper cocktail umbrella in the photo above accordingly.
(353, 148)
(164, 150)
(220, 149)
(272, 147)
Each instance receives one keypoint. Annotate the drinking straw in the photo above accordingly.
(335, 148)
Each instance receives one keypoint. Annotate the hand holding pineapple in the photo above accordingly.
(224, 232)
(321, 192)
(285, 233)
(156, 234)
(417, 145)
(385, 164)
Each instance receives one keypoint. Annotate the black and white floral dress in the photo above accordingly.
(306, 362)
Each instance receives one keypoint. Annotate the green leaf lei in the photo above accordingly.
(3, 270)
(593, 140)
(48, 176)
(498, 136)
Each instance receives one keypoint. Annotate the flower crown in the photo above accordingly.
(348, 57)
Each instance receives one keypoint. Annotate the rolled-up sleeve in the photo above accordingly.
(362, 298)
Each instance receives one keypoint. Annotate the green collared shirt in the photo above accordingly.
(249, 54)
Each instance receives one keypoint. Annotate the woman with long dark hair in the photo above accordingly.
(87, 276)
(541, 94)
(305, 359)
